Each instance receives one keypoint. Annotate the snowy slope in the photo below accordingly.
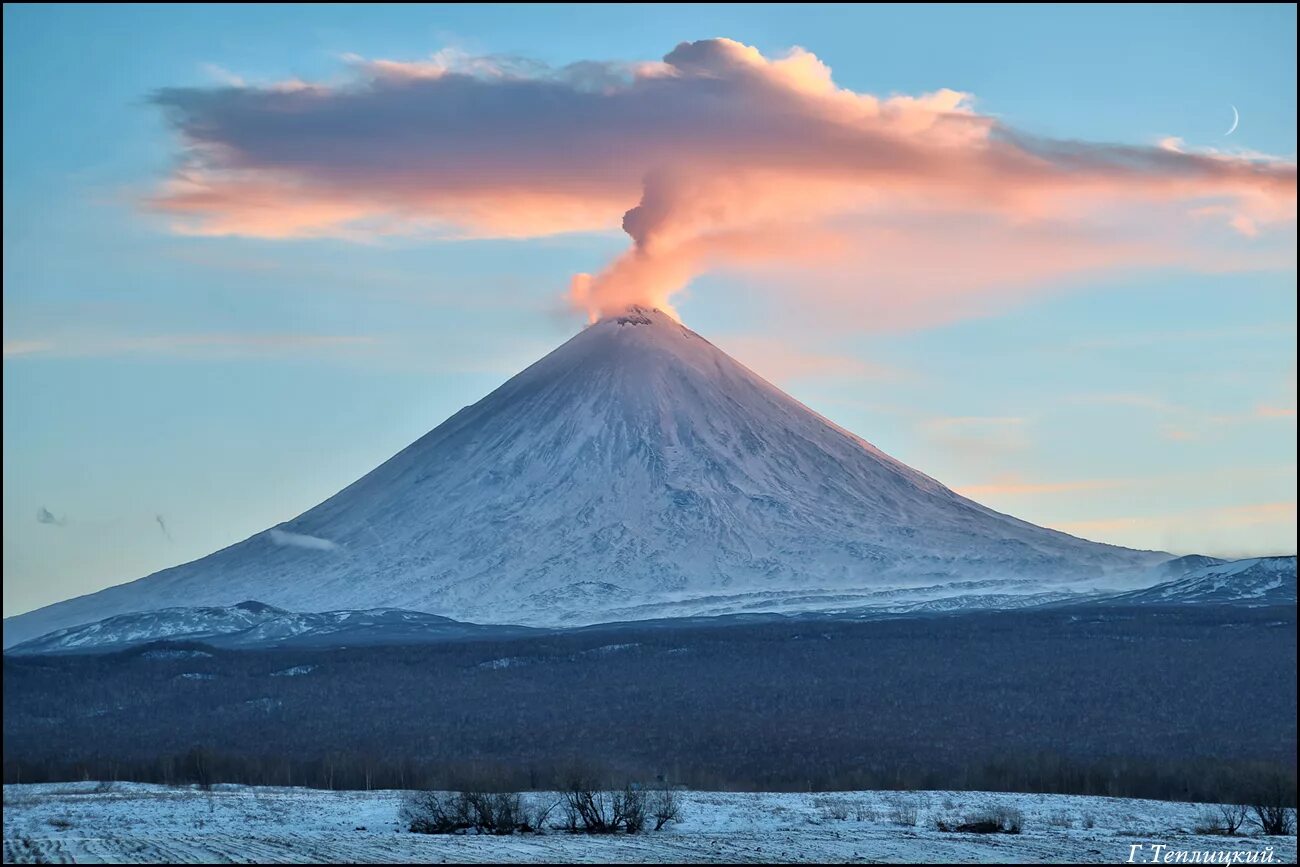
(253, 624)
(632, 470)
(1256, 581)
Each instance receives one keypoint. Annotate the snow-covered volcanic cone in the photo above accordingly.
(636, 471)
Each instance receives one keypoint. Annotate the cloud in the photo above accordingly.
(1185, 485)
(222, 75)
(978, 438)
(1255, 513)
(1131, 399)
(1181, 423)
(781, 362)
(45, 516)
(1210, 530)
(300, 540)
(183, 345)
(15, 348)
(1178, 434)
(1015, 485)
(902, 209)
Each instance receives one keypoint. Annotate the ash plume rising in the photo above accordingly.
(715, 158)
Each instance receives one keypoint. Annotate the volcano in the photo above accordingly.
(636, 471)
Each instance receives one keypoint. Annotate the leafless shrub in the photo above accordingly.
(1010, 819)
(1273, 819)
(569, 816)
(493, 812)
(1234, 817)
(448, 813)
(537, 811)
(434, 813)
(1000, 820)
(198, 764)
(630, 810)
(1226, 820)
(1271, 810)
(903, 811)
(864, 812)
(589, 810)
(1060, 819)
(665, 806)
(1208, 822)
(832, 808)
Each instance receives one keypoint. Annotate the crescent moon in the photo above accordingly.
(1235, 119)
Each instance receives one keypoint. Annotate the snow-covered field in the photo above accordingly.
(129, 822)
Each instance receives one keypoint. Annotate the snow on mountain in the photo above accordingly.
(255, 624)
(1180, 566)
(635, 471)
(1255, 581)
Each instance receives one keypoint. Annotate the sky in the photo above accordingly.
(250, 252)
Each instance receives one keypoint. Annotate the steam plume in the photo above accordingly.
(716, 158)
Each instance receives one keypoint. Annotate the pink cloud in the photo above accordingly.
(1236, 516)
(1247, 530)
(1015, 485)
(891, 210)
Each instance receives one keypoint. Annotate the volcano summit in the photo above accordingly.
(636, 471)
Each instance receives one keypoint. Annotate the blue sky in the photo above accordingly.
(228, 383)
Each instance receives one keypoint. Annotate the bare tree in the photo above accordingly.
(480, 812)
(629, 810)
(902, 811)
(1271, 805)
(665, 806)
(493, 813)
(1232, 817)
(588, 808)
(594, 811)
(538, 810)
(199, 762)
(1274, 819)
(434, 813)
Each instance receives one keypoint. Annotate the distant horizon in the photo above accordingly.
(1047, 276)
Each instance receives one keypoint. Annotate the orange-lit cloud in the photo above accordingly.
(1238, 516)
(887, 210)
(1249, 530)
(1015, 485)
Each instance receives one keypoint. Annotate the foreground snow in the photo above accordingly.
(126, 822)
